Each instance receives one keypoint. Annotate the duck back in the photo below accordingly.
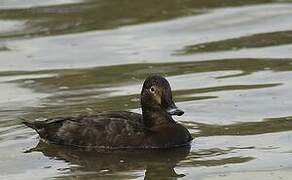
(102, 130)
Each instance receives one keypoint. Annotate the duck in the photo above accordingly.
(154, 128)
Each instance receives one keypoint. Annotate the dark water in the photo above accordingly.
(229, 64)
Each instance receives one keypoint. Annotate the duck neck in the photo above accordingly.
(155, 116)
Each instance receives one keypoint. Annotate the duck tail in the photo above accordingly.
(36, 125)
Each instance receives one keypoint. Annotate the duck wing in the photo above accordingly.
(103, 130)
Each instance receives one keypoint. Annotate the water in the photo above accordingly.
(229, 64)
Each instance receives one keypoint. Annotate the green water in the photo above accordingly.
(229, 64)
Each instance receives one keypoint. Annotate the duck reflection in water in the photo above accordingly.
(157, 163)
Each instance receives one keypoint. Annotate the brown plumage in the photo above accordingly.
(155, 128)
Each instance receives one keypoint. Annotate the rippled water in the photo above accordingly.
(229, 64)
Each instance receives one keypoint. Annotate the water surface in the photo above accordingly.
(229, 64)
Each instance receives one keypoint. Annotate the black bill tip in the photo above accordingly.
(175, 111)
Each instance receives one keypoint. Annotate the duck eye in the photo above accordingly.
(152, 89)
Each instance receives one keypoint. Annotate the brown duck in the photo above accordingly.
(155, 128)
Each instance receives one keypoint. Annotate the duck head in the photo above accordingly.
(156, 95)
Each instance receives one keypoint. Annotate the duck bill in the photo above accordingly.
(173, 110)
